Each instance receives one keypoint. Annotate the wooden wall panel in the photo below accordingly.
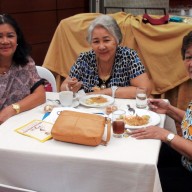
(38, 52)
(15, 6)
(62, 14)
(65, 4)
(39, 27)
(38, 19)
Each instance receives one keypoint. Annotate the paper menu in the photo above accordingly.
(37, 129)
(55, 113)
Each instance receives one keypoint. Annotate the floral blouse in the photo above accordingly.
(17, 83)
(127, 66)
(186, 126)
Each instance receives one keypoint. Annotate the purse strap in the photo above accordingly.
(108, 122)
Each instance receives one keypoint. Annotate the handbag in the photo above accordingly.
(155, 21)
(81, 128)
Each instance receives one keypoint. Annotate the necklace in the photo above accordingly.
(4, 70)
(103, 78)
(103, 84)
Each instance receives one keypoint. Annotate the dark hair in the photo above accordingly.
(22, 52)
(187, 42)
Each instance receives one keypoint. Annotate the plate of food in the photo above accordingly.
(141, 118)
(96, 100)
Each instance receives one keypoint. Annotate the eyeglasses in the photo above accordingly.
(188, 58)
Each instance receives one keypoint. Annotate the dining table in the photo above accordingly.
(125, 164)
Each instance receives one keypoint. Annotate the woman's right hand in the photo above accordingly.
(71, 84)
(158, 105)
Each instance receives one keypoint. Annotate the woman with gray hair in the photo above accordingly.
(108, 68)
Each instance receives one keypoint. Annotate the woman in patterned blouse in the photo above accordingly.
(175, 160)
(21, 88)
(108, 64)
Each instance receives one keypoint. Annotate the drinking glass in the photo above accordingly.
(118, 123)
(141, 97)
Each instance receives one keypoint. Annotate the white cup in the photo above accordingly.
(141, 97)
(66, 98)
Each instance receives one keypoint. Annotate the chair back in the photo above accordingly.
(46, 74)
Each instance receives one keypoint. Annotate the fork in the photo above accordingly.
(131, 110)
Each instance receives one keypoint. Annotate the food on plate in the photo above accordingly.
(137, 120)
(96, 88)
(96, 100)
(109, 109)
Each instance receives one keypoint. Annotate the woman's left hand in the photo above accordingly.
(151, 132)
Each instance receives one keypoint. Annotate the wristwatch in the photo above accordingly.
(170, 137)
(114, 88)
(16, 107)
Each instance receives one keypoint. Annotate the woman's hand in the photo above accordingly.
(158, 105)
(6, 113)
(71, 84)
(151, 132)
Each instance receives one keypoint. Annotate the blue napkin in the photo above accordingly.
(46, 115)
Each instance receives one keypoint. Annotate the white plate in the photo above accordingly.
(154, 118)
(110, 100)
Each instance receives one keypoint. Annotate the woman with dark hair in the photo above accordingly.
(175, 159)
(108, 68)
(21, 86)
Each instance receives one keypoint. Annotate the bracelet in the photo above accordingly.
(113, 88)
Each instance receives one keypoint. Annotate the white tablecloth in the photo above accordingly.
(124, 165)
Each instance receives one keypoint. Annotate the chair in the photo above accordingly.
(46, 74)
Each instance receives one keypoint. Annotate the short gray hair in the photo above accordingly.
(108, 23)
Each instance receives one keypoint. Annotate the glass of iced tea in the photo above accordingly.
(118, 123)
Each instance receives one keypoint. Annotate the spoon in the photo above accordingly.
(56, 100)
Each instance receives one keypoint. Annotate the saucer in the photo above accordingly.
(74, 104)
